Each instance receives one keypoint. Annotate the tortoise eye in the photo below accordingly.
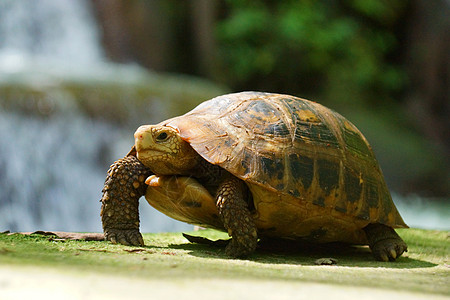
(162, 137)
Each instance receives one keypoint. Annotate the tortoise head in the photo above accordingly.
(162, 149)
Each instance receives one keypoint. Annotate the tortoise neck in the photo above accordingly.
(207, 171)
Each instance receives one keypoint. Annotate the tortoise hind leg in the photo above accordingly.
(385, 243)
(236, 217)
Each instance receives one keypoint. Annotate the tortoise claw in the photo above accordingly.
(137, 240)
(393, 253)
(385, 243)
(122, 240)
(241, 245)
(129, 237)
(389, 249)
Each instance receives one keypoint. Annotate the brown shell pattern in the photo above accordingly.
(294, 147)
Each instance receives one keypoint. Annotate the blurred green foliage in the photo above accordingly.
(350, 55)
(339, 51)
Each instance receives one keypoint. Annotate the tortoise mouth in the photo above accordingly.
(152, 158)
(146, 149)
(150, 154)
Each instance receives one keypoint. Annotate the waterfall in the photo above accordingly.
(54, 30)
(54, 157)
(52, 171)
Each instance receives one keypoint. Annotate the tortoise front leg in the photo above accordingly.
(124, 185)
(236, 217)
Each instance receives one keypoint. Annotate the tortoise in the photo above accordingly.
(256, 165)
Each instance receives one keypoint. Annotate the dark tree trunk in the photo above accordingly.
(136, 31)
(428, 62)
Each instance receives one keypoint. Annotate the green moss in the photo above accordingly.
(169, 256)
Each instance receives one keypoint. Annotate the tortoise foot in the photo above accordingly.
(389, 249)
(241, 246)
(236, 217)
(385, 243)
(128, 237)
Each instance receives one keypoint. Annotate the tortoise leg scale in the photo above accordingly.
(236, 217)
(385, 243)
(124, 185)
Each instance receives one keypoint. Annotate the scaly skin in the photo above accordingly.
(124, 185)
(236, 217)
(385, 243)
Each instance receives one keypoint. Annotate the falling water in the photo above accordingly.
(52, 171)
(62, 30)
(54, 158)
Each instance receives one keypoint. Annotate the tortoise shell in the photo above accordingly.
(311, 172)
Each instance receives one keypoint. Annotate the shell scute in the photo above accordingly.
(301, 169)
(355, 142)
(328, 172)
(352, 185)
